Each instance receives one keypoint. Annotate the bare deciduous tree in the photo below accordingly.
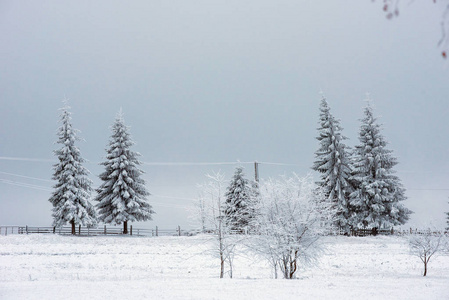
(426, 245)
(291, 219)
(210, 215)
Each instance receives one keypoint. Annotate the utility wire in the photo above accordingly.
(170, 164)
(43, 188)
(161, 163)
(172, 205)
(27, 159)
(279, 164)
(194, 163)
(170, 197)
(27, 177)
(21, 184)
(427, 189)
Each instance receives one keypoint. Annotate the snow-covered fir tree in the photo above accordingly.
(378, 193)
(122, 196)
(333, 164)
(72, 191)
(237, 206)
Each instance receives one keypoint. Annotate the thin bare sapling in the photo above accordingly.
(426, 245)
(210, 216)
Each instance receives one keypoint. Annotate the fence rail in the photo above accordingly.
(112, 230)
(5, 230)
(86, 231)
(392, 231)
(369, 231)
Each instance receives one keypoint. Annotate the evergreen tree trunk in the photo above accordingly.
(73, 226)
(125, 227)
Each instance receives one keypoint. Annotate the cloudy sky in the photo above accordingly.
(217, 82)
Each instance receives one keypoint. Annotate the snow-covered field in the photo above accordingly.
(64, 267)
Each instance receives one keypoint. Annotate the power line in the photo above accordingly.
(161, 204)
(171, 205)
(280, 164)
(21, 184)
(170, 197)
(427, 189)
(47, 189)
(37, 187)
(194, 163)
(28, 177)
(161, 163)
(27, 159)
(180, 198)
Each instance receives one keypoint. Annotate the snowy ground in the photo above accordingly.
(62, 267)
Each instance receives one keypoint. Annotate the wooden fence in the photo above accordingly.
(118, 230)
(369, 231)
(5, 230)
(86, 231)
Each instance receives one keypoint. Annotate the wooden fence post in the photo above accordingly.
(157, 233)
(6, 230)
(26, 229)
(130, 229)
(179, 230)
(104, 229)
(54, 229)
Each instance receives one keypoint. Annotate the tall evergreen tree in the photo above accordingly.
(378, 193)
(73, 189)
(122, 196)
(237, 206)
(333, 164)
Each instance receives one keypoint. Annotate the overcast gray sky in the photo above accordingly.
(217, 81)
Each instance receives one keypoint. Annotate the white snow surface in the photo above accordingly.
(66, 267)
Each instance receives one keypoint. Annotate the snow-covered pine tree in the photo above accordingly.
(73, 189)
(237, 206)
(333, 164)
(122, 196)
(378, 193)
